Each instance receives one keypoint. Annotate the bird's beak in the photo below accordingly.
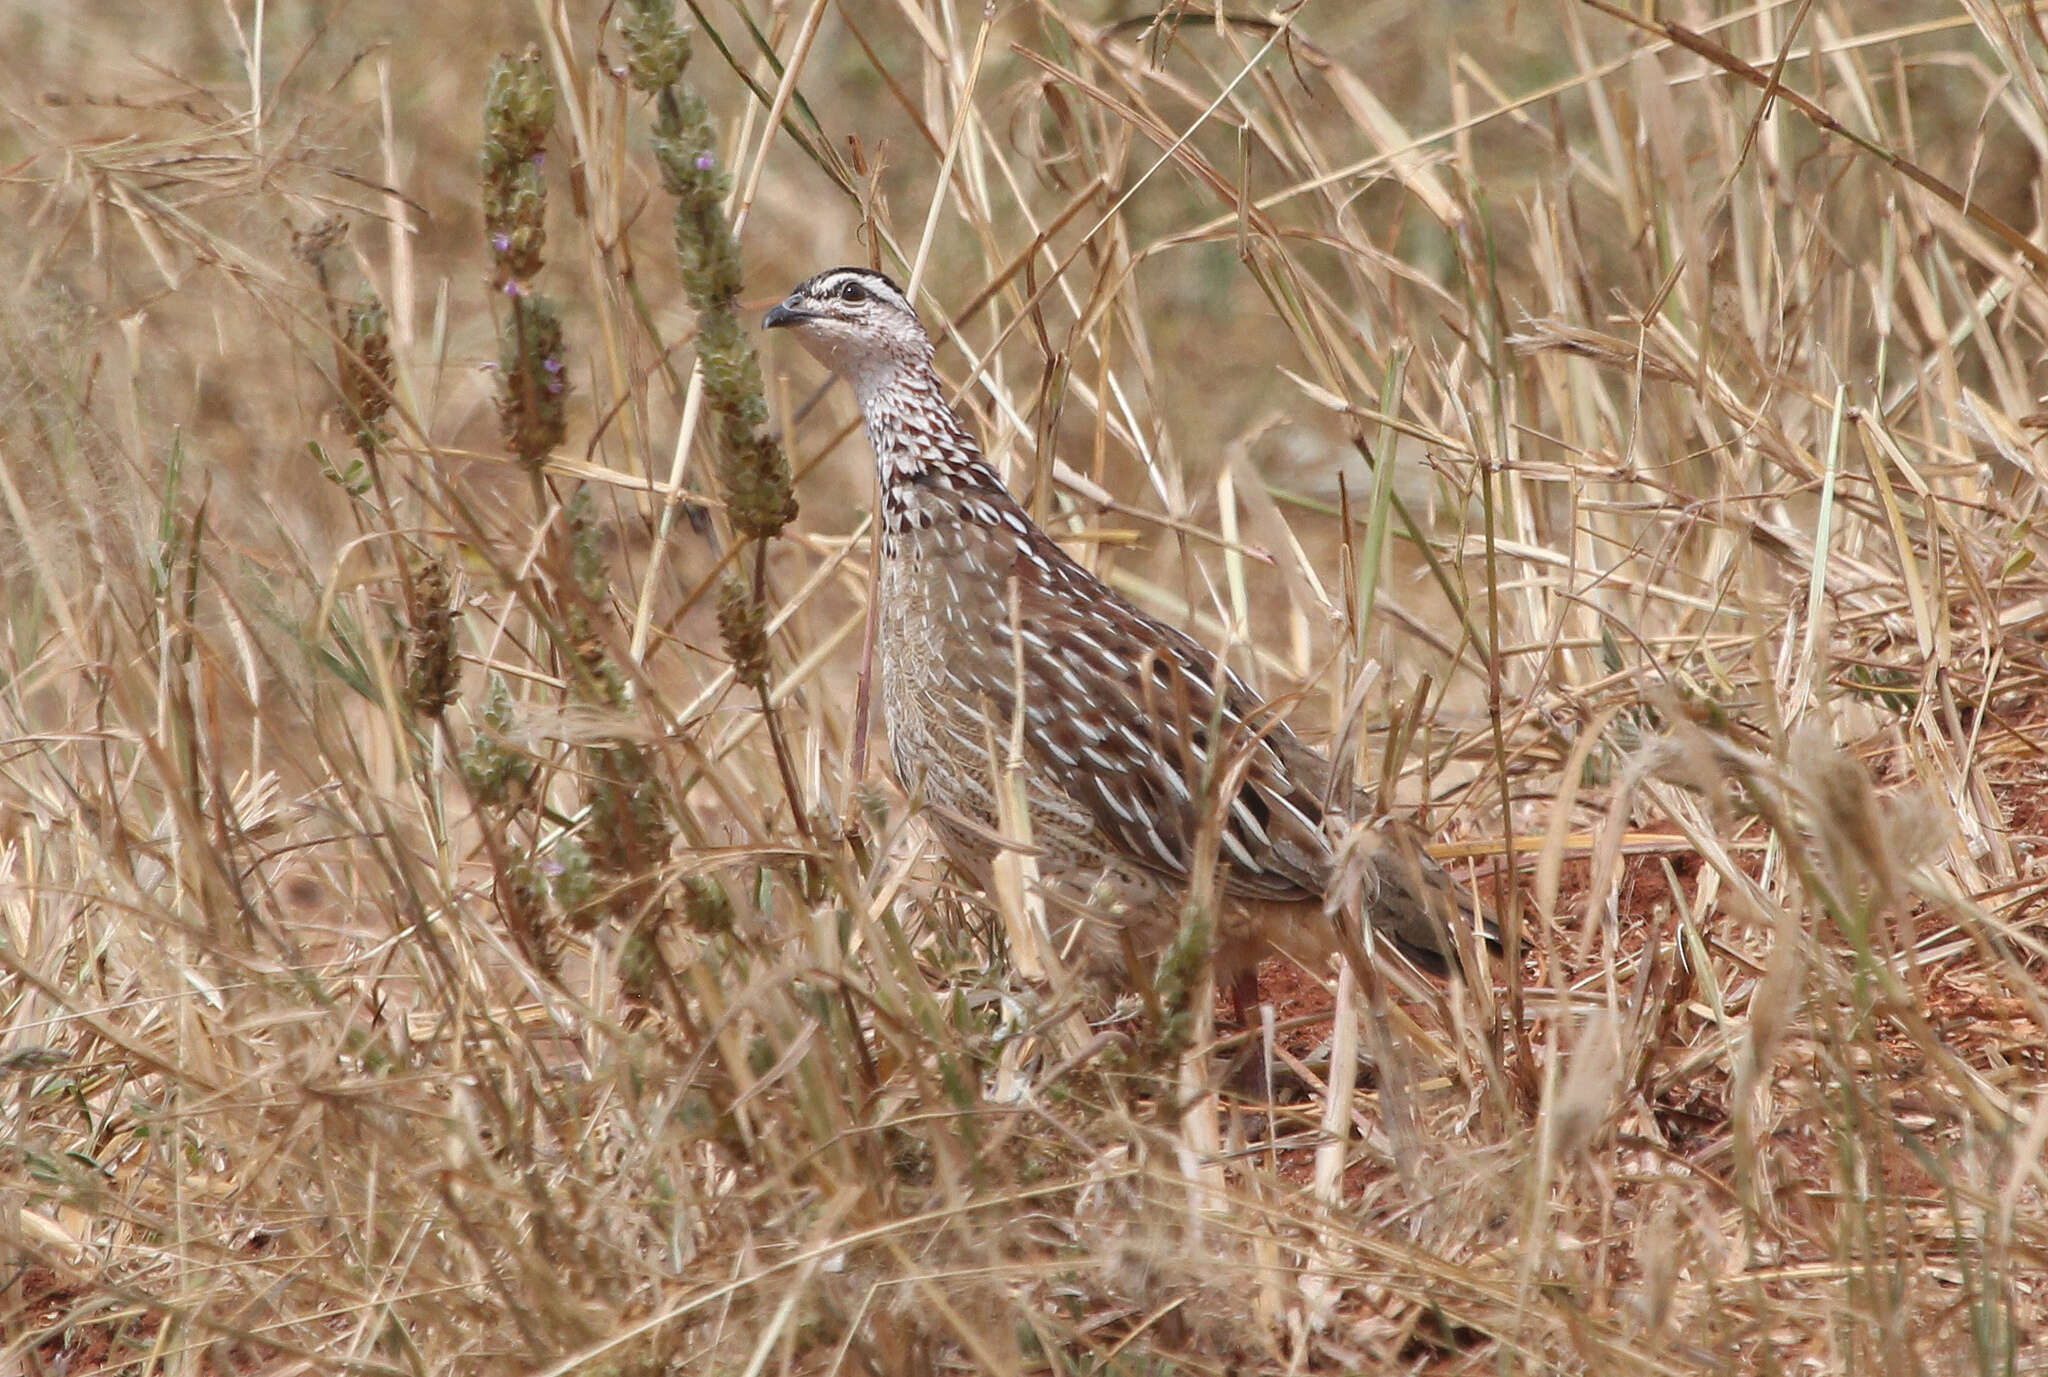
(784, 314)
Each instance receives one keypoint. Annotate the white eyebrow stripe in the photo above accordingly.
(828, 282)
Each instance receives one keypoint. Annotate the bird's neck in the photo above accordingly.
(921, 446)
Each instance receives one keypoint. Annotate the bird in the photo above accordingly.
(1002, 659)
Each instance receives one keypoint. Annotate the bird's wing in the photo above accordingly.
(1147, 735)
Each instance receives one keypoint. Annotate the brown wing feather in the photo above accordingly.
(1149, 741)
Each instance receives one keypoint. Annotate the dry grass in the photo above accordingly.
(1697, 601)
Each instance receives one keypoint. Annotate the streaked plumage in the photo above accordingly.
(1130, 730)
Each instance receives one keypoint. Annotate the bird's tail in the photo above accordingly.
(1386, 877)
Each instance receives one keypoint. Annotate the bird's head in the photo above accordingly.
(857, 323)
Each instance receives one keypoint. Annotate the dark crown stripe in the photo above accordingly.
(824, 282)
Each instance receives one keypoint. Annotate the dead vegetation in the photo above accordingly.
(453, 918)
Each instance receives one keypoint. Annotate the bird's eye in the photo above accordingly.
(850, 290)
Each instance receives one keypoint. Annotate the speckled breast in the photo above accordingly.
(948, 686)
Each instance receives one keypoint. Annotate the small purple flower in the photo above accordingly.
(501, 242)
(552, 365)
(539, 160)
(705, 162)
(513, 289)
